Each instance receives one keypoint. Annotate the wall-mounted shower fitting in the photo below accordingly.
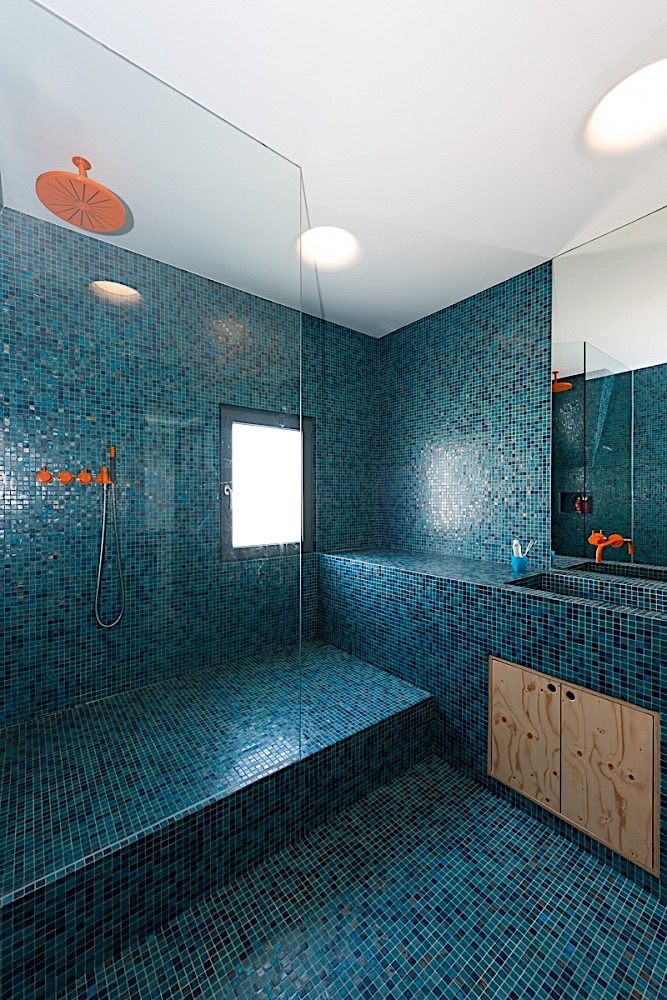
(107, 478)
(79, 200)
(43, 476)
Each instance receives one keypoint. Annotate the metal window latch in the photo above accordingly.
(227, 490)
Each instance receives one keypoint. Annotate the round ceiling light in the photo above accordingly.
(329, 247)
(114, 291)
(634, 112)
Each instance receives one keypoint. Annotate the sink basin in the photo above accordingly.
(642, 594)
(632, 570)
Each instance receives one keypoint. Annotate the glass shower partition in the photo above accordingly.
(592, 449)
(210, 248)
(608, 439)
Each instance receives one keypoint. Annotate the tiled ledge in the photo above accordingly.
(480, 573)
(439, 567)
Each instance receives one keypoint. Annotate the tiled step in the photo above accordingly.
(119, 814)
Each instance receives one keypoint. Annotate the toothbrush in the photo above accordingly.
(529, 547)
(516, 548)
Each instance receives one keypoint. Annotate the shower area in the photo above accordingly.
(593, 451)
(173, 462)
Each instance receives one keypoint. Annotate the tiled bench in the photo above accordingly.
(119, 814)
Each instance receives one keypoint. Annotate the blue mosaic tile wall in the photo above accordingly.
(435, 627)
(650, 464)
(341, 386)
(465, 424)
(84, 373)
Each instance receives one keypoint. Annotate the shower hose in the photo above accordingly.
(100, 563)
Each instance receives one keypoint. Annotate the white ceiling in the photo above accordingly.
(447, 137)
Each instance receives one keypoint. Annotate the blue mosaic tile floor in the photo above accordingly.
(80, 782)
(430, 887)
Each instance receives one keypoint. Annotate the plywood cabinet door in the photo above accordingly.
(524, 731)
(608, 779)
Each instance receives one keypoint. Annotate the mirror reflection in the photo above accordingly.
(609, 398)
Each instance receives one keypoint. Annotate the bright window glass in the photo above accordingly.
(266, 485)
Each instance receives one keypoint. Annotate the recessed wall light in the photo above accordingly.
(329, 247)
(114, 291)
(634, 112)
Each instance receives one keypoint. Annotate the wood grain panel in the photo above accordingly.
(608, 771)
(524, 731)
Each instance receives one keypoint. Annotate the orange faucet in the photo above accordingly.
(601, 542)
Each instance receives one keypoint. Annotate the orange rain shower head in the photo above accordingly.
(79, 200)
(557, 386)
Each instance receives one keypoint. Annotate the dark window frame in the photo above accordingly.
(266, 418)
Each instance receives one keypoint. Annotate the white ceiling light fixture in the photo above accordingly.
(634, 112)
(329, 247)
(114, 291)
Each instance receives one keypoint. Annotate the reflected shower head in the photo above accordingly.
(79, 200)
(557, 386)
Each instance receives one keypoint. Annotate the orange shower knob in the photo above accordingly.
(44, 476)
(65, 477)
(103, 476)
(85, 477)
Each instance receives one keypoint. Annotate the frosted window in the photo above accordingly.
(266, 485)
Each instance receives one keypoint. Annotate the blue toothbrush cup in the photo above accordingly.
(519, 564)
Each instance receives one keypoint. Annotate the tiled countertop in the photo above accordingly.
(441, 567)
(477, 572)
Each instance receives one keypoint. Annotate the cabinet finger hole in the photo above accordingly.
(551, 687)
(570, 695)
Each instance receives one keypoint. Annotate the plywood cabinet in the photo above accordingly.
(525, 732)
(591, 759)
(607, 764)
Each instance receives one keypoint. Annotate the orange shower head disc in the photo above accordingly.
(77, 199)
(557, 385)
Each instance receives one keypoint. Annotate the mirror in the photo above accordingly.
(609, 396)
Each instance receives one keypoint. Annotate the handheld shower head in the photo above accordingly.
(107, 478)
(112, 462)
